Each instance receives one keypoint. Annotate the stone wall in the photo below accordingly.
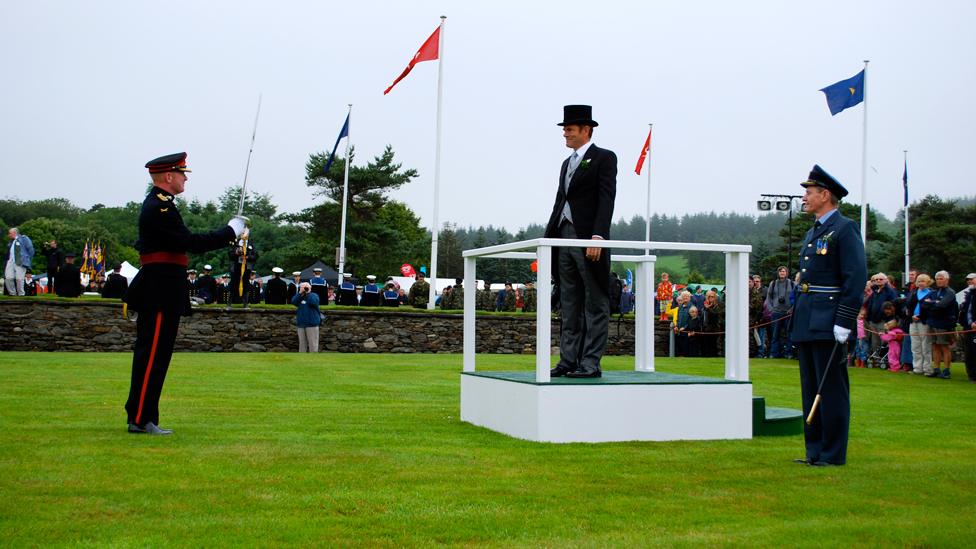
(39, 324)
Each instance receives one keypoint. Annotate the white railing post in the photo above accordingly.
(644, 317)
(470, 293)
(737, 316)
(543, 318)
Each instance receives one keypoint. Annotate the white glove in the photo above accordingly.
(841, 334)
(238, 223)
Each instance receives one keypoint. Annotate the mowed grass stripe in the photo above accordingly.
(368, 450)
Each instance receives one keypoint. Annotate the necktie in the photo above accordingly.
(817, 225)
(570, 170)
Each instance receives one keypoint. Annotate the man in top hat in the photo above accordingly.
(347, 291)
(276, 290)
(833, 272)
(115, 284)
(159, 291)
(583, 210)
(207, 285)
(69, 278)
(371, 293)
(320, 286)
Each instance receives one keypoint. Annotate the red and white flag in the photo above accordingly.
(643, 153)
(429, 51)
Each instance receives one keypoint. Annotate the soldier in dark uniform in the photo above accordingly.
(293, 286)
(276, 290)
(206, 285)
(347, 291)
(371, 293)
(159, 291)
(115, 284)
(69, 278)
(391, 297)
(30, 285)
(55, 259)
(320, 286)
(253, 289)
(833, 273)
(240, 267)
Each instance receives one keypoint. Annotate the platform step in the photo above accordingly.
(773, 421)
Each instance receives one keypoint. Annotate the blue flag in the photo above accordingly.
(845, 93)
(344, 132)
(904, 180)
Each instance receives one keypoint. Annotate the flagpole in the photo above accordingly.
(345, 198)
(907, 248)
(647, 228)
(435, 228)
(864, 163)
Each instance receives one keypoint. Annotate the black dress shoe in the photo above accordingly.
(825, 464)
(152, 429)
(585, 374)
(560, 371)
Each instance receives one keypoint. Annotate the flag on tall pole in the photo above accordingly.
(432, 49)
(344, 132)
(908, 255)
(429, 51)
(843, 95)
(644, 154)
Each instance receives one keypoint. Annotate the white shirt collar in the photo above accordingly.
(582, 150)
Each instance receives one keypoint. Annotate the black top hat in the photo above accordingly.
(169, 163)
(820, 178)
(578, 114)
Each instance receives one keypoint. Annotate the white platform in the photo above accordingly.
(621, 406)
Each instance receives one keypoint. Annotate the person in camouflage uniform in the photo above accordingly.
(419, 293)
(529, 298)
(486, 299)
(509, 304)
(456, 299)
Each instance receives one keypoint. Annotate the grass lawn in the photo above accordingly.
(367, 450)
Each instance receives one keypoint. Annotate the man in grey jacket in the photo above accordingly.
(778, 301)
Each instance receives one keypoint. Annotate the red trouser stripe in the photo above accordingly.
(152, 356)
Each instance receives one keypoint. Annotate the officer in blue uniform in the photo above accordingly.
(347, 291)
(319, 285)
(371, 293)
(160, 291)
(833, 272)
(391, 297)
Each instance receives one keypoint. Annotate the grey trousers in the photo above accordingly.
(585, 309)
(308, 339)
(14, 277)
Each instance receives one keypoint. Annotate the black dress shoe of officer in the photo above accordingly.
(153, 430)
(803, 461)
(560, 371)
(584, 374)
(825, 464)
(133, 428)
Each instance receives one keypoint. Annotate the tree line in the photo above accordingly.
(383, 233)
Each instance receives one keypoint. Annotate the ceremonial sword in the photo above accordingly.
(240, 205)
(816, 401)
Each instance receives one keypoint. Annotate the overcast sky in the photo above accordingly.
(92, 90)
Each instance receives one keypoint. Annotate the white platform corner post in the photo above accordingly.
(737, 316)
(644, 321)
(543, 318)
(471, 291)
